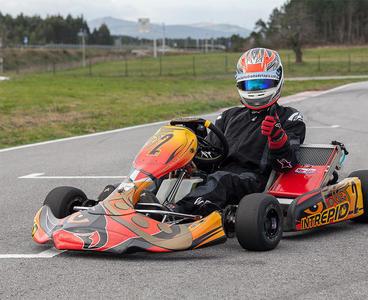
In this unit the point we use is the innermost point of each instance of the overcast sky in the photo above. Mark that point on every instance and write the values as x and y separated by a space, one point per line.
239 12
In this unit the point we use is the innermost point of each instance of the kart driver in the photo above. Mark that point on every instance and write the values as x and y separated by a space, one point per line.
262 136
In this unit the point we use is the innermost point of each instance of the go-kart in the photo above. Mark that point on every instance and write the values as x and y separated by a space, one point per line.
169 166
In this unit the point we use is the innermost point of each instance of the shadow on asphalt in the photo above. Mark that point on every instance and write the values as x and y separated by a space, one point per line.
321 232
143 256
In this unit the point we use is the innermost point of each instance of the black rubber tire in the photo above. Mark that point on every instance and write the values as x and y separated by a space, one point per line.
363 176
250 222
62 199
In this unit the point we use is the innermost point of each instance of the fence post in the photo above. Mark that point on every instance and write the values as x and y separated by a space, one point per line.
226 63
17 67
349 63
319 63
126 66
160 61
89 67
53 68
141 65
194 66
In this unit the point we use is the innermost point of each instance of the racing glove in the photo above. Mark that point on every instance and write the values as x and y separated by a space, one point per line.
271 127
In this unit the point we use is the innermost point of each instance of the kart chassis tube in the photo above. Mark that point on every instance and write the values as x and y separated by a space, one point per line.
153 211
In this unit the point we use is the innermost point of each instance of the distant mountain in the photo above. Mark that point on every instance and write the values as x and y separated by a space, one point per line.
195 31
231 29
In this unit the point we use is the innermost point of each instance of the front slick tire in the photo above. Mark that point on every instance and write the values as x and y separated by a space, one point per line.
62 200
258 222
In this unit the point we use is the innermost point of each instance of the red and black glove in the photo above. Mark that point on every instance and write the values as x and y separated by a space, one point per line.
271 127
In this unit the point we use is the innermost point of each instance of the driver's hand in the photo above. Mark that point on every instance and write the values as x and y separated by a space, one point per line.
271 127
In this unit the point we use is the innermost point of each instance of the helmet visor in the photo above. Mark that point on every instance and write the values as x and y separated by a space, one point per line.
257 84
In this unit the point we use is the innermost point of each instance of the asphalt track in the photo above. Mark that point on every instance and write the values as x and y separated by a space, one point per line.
327 263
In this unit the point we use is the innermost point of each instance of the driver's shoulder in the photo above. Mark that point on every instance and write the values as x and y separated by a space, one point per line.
233 111
289 113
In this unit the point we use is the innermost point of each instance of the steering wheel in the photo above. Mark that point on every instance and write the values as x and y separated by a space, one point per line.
207 152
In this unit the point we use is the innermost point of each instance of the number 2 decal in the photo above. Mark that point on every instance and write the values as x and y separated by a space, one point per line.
354 191
164 139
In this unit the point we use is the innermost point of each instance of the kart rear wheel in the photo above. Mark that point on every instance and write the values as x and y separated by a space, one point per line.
363 176
259 222
62 200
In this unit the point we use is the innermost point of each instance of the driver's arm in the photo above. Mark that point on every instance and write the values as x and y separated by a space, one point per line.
283 141
220 124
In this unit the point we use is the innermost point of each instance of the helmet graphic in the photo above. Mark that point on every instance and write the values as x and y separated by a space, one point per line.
259 78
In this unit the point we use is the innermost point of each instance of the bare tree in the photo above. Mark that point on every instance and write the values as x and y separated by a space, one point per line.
296 27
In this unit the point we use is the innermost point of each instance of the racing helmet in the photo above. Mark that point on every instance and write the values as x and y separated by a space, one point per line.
259 78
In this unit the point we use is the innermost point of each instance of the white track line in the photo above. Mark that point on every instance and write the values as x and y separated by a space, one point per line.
49 253
324 127
289 99
83 136
41 176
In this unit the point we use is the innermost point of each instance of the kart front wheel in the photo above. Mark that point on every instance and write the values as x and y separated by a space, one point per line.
62 200
259 222
363 176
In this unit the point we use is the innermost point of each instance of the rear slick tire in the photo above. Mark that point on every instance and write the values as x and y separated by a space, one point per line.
62 200
259 222
363 176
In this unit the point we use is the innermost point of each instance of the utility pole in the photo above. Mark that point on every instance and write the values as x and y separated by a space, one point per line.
84 49
82 34
155 48
163 38
1 56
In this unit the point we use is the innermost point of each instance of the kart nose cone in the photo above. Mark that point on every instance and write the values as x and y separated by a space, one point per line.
38 234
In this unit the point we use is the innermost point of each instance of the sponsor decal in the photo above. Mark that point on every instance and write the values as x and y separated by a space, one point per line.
285 164
297 116
257 75
330 215
336 194
305 171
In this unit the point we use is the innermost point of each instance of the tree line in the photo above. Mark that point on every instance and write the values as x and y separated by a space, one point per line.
67 30
35 30
294 25
300 23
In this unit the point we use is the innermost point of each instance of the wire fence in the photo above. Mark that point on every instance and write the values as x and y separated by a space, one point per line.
207 65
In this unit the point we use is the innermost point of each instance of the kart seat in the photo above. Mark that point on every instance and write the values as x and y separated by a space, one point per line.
315 169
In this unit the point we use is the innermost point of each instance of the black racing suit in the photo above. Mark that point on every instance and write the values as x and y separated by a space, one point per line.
249 163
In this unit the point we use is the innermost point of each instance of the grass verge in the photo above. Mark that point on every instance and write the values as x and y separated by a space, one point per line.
43 107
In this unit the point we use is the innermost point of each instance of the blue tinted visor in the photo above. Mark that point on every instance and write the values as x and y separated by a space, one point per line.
257 84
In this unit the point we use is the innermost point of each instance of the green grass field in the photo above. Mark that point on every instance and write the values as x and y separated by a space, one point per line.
41 107
46 106
317 62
